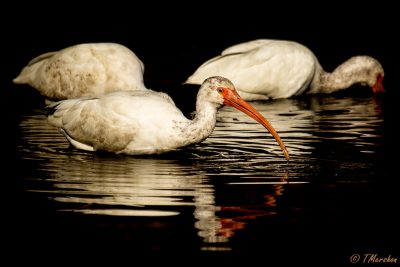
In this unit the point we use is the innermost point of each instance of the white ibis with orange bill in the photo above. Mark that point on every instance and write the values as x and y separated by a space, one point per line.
263 69
147 122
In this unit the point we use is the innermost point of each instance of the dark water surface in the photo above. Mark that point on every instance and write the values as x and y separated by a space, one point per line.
234 193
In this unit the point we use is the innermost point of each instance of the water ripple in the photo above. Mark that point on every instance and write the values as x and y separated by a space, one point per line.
239 155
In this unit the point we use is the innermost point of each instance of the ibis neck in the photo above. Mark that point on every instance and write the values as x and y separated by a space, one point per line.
332 82
353 71
202 125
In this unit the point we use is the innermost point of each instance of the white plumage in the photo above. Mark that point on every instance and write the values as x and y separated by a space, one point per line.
146 122
84 70
263 69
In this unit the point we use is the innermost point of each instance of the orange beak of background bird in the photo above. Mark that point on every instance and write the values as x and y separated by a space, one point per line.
232 98
378 86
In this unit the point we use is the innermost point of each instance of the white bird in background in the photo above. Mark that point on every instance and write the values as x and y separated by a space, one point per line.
147 122
84 70
263 69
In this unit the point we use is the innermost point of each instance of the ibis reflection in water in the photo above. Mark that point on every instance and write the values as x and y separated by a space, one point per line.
209 182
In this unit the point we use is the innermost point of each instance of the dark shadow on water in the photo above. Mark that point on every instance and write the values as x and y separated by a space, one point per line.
231 197
234 194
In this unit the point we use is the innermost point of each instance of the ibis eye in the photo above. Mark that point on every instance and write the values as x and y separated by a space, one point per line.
220 90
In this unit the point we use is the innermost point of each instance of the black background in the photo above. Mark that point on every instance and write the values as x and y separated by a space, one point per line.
172 39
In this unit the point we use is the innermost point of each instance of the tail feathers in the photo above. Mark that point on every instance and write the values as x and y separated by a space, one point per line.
56 110
63 105
24 76
28 71
51 108
60 110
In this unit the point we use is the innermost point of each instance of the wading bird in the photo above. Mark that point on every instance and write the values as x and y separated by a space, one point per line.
147 122
263 69
84 70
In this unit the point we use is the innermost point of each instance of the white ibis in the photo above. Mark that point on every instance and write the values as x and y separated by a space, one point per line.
263 69
147 122
84 70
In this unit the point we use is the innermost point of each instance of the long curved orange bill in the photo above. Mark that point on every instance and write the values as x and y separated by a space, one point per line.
232 98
